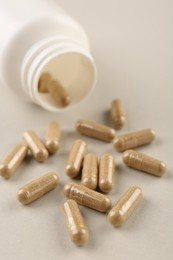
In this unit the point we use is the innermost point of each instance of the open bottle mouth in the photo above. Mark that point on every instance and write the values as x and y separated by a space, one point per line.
76 74
68 64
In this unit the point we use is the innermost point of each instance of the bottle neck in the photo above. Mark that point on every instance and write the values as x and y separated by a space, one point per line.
67 61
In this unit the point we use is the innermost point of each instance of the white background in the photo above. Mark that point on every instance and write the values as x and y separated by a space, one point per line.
132 45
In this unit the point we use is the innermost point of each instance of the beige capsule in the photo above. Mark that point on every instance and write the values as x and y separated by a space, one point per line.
36 147
90 171
76 226
135 139
143 162
106 172
13 161
87 197
125 206
59 93
118 115
43 84
37 188
95 130
76 157
53 137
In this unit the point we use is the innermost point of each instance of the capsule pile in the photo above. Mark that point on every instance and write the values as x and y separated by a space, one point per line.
96 175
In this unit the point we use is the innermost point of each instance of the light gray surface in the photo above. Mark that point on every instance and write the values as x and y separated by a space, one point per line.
132 44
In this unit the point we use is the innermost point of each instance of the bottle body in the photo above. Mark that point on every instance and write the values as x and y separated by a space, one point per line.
40 37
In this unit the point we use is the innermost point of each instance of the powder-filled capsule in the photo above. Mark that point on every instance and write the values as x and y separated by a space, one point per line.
143 162
59 93
13 160
37 188
90 171
135 139
53 137
95 130
125 206
87 197
36 147
43 84
106 172
76 225
118 115
76 157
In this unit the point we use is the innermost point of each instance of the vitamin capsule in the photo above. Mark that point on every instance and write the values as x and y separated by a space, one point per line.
76 157
145 163
43 84
53 137
36 147
95 130
90 171
106 173
87 197
59 93
135 139
37 188
13 160
125 206
76 226
118 114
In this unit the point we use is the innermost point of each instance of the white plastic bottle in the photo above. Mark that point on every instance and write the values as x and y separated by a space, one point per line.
38 36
